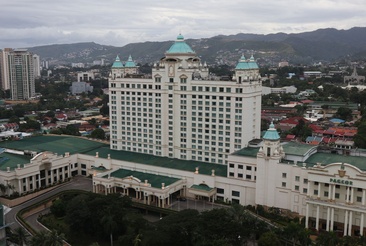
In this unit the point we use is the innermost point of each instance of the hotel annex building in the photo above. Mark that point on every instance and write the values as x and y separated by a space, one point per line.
180 134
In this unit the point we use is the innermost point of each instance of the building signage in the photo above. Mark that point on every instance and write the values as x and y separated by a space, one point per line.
341 181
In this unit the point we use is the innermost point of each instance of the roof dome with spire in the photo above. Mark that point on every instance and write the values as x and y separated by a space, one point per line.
271 133
180 46
117 63
245 64
130 62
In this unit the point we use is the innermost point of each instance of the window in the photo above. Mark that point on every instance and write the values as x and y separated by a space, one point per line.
284 175
235 193
337 195
359 199
240 175
220 191
305 181
249 168
240 166
315 192
297 187
248 176
305 190
297 178
284 184
326 193
231 174
231 165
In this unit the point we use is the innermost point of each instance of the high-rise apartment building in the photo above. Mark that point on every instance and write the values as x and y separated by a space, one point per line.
182 112
17 73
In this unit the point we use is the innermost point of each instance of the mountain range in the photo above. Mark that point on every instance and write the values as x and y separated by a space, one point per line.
321 45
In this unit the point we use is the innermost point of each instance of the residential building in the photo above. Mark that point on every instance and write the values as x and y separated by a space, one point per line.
180 112
17 73
80 87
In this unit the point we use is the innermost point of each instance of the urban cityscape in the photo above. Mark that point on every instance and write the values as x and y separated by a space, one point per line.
233 139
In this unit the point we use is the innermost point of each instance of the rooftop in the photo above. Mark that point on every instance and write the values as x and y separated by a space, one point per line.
247 64
295 148
327 158
153 179
62 144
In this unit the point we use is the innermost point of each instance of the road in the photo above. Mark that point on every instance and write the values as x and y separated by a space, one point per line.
77 183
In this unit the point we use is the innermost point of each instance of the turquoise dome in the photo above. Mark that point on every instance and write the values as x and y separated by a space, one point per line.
117 63
245 64
130 62
180 46
271 133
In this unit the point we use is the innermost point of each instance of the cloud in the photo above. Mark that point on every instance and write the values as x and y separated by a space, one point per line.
27 23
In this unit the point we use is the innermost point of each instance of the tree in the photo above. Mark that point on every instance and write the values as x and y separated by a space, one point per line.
360 137
55 239
98 133
344 113
109 224
328 238
21 236
269 239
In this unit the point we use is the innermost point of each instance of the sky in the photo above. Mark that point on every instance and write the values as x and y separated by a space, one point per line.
29 23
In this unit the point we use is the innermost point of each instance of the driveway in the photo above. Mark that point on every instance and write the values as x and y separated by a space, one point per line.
77 183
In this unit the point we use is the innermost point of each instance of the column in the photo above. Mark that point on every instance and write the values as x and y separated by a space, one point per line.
307 216
334 191
52 178
58 174
319 190
20 186
352 195
363 197
317 218
27 183
345 223
332 220
350 224
347 196
105 190
328 218
93 188
34 182
144 199
330 192
361 224
308 193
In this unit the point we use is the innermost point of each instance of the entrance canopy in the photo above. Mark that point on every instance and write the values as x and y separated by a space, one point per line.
202 190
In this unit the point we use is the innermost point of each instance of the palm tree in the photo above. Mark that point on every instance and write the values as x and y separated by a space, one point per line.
55 239
39 239
109 224
21 236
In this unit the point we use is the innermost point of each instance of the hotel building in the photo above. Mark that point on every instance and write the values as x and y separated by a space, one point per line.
154 156
181 112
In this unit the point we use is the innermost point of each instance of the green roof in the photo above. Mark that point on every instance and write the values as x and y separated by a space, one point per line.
245 64
117 63
130 62
180 46
328 158
295 148
12 161
62 144
248 151
55 144
186 165
202 187
153 179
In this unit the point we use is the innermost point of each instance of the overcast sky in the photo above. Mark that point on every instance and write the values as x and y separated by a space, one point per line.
27 23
